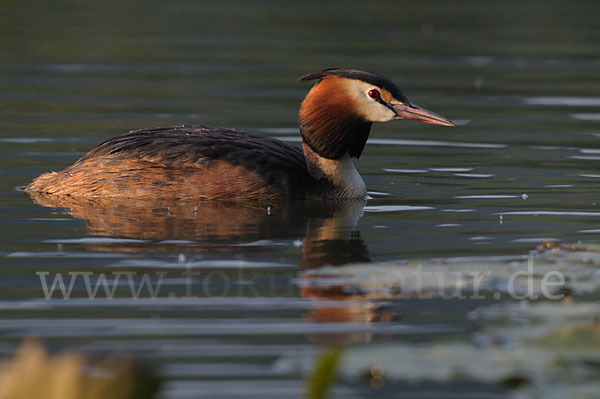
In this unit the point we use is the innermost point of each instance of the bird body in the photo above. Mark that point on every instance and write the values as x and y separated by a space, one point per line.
207 163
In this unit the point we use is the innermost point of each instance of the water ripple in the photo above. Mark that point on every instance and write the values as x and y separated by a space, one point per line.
564 101
395 208
549 213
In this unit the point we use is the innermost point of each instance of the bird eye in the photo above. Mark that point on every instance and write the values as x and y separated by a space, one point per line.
374 94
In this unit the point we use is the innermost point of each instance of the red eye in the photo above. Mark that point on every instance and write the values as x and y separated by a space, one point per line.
374 93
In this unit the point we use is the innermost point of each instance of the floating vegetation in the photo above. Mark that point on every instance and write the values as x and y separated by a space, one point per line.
553 271
536 336
580 339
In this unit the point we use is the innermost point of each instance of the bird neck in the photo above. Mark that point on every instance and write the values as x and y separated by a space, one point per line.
341 173
333 132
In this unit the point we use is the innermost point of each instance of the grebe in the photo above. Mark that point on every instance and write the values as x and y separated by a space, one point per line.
196 162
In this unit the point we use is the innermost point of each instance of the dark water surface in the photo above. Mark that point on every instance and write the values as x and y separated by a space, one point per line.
243 296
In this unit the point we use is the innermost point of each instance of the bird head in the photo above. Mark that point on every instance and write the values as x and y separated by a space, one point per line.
336 115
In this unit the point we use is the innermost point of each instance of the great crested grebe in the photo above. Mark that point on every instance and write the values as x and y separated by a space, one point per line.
196 162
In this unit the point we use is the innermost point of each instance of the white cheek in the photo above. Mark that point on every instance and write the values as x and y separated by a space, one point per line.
376 112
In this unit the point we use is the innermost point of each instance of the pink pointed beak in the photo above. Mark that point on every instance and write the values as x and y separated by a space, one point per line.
414 112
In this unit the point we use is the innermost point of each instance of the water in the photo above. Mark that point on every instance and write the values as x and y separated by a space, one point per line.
240 301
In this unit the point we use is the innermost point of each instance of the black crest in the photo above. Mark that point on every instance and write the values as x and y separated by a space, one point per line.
372 78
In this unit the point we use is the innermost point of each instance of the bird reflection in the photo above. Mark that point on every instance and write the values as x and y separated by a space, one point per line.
327 230
210 223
